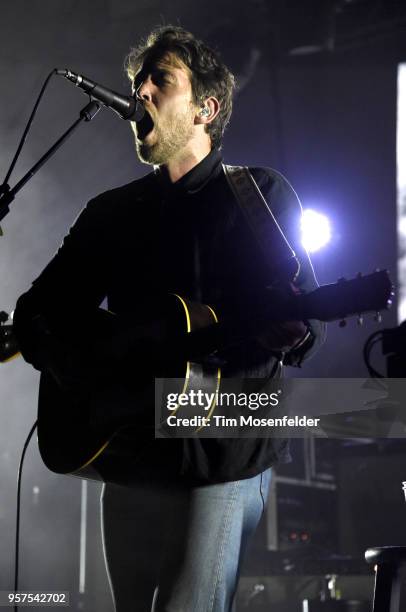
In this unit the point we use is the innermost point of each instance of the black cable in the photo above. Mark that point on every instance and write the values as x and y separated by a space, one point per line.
27 128
17 546
371 370
368 346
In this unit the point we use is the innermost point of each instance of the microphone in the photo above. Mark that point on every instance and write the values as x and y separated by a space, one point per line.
126 107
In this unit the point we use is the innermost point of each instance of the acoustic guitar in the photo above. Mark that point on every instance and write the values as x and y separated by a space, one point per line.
81 430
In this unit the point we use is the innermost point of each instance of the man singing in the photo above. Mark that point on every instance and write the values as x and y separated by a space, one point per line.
174 537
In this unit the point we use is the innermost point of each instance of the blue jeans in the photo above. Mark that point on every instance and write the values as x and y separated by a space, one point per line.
186 546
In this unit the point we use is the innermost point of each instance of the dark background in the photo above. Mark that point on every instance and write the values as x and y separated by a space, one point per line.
317 102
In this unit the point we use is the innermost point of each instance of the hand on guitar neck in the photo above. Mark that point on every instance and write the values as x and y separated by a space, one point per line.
285 335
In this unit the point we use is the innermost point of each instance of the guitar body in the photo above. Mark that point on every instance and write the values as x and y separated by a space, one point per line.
94 432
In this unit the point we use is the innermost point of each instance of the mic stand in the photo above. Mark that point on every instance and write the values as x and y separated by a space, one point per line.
7 195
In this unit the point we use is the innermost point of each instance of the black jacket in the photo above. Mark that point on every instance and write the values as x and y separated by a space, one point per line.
137 242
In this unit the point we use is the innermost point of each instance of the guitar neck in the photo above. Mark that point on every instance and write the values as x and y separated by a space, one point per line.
333 302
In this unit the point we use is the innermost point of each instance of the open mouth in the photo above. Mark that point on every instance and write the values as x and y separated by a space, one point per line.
145 126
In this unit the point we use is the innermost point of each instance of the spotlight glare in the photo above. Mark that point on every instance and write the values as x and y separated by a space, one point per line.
402 225
316 231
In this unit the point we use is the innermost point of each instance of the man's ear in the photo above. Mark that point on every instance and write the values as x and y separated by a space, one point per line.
208 111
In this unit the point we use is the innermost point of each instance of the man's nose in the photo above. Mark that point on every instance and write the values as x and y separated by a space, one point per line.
143 91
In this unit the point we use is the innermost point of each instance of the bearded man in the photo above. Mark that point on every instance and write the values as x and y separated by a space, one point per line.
176 525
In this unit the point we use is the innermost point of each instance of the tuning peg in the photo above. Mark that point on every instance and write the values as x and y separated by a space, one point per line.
342 323
378 317
360 319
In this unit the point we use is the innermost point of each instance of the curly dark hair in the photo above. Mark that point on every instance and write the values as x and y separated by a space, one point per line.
209 75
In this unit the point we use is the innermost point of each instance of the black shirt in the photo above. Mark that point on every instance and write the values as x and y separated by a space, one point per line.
137 242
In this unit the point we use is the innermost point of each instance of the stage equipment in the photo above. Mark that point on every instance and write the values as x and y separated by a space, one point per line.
302 507
126 107
336 605
330 600
394 348
388 560
7 195
371 503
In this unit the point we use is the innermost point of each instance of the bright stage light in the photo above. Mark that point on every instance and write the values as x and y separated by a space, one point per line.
402 226
401 188
316 231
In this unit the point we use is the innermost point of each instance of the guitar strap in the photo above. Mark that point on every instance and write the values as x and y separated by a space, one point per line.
272 241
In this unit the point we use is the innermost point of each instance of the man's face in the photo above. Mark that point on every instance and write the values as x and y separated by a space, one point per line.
166 131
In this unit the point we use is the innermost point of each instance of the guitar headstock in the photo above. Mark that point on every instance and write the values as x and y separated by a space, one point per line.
346 298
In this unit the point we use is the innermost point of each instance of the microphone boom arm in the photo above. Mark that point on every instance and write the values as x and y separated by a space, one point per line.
7 195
